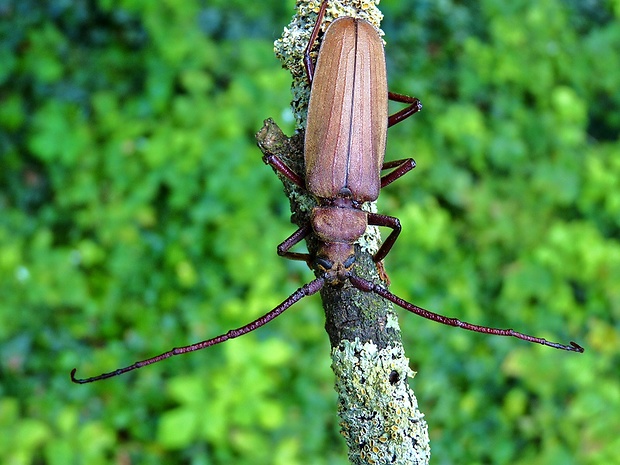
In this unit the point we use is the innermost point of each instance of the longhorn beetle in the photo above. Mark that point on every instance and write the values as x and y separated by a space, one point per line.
344 150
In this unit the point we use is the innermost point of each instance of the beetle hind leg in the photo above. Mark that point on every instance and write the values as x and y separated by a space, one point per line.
279 166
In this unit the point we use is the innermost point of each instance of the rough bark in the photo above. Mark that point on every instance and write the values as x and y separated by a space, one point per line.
378 410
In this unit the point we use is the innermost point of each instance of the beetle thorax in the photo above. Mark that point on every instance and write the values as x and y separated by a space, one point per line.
337 224
338 220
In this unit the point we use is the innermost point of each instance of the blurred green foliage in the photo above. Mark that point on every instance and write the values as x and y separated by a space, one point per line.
136 215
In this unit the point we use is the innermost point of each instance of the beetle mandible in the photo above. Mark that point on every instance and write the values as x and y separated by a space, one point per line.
344 151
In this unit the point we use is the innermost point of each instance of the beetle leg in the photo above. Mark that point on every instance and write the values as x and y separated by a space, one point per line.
279 166
308 65
414 107
402 167
291 241
376 219
383 276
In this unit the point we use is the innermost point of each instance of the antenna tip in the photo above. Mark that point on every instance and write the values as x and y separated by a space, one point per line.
73 378
576 347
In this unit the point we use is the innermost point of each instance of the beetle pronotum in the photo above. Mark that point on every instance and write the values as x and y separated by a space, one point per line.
344 151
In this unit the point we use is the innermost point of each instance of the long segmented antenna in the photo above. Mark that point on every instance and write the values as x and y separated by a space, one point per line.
311 288
367 286
342 208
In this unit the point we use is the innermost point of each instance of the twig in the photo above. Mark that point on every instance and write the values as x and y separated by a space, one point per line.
378 410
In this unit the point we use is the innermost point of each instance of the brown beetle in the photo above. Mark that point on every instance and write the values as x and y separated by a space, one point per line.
345 143
344 150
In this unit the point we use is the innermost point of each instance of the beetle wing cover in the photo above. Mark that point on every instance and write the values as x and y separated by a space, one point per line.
347 113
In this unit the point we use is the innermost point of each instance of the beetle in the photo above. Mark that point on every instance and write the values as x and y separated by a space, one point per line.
344 150
345 143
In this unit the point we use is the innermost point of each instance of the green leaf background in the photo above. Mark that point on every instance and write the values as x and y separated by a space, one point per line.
136 215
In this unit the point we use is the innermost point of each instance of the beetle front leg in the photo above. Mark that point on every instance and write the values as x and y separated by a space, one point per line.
291 241
376 219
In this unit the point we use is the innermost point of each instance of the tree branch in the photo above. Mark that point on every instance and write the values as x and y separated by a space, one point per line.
378 410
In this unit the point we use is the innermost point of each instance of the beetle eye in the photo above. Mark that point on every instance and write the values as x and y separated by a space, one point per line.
349 262
324 263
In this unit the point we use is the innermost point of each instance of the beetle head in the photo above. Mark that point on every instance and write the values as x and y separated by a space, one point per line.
334 261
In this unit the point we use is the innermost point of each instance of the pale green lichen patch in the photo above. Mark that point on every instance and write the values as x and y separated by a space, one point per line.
392 321
371 239
376 403
304 202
